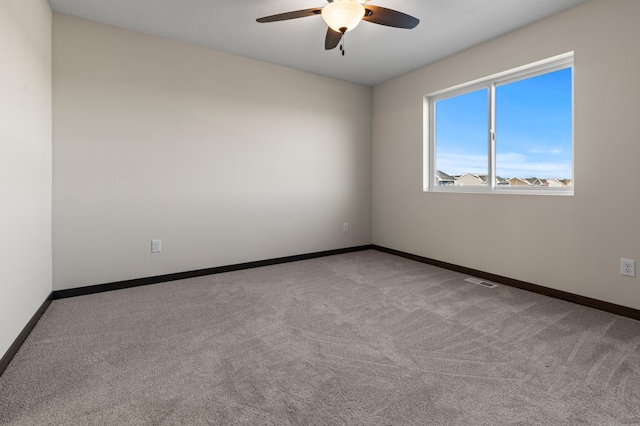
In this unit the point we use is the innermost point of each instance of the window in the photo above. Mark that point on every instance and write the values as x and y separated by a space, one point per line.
511 132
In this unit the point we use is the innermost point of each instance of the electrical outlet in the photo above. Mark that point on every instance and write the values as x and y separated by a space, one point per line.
345 227
628 267
156 246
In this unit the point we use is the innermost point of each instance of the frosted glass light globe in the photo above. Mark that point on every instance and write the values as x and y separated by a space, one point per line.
341 14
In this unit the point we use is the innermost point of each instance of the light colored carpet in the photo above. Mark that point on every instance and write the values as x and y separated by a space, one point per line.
364 338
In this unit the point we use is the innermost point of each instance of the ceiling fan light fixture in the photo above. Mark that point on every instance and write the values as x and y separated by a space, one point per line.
343 14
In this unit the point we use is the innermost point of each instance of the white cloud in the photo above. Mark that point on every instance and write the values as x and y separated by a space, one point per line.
552 151
457 164
507 165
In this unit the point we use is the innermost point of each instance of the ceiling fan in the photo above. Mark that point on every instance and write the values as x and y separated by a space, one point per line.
344 15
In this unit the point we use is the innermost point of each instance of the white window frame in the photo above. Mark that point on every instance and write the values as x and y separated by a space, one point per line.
490 83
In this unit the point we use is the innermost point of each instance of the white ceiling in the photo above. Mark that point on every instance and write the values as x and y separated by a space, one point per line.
374 53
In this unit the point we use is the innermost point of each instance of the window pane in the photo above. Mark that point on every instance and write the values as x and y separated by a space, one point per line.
533 131
461 128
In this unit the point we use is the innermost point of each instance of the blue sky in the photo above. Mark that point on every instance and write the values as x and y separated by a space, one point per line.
533 129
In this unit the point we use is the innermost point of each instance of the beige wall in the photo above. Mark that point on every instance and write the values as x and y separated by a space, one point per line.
25 163
568 243
225 159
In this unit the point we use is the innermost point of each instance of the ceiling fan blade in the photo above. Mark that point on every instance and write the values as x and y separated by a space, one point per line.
389 17
332 39
291 15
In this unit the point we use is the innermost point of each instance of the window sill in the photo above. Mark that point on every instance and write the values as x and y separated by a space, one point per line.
522 191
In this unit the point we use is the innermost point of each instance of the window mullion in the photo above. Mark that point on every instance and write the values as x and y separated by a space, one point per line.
492 136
